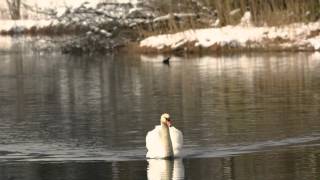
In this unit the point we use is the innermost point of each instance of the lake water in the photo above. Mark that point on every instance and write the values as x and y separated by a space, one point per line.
243 116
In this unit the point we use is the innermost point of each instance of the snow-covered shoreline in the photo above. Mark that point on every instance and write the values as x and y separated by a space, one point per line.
296 36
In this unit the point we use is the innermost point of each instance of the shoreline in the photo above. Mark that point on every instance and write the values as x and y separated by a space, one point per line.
297 37
134 47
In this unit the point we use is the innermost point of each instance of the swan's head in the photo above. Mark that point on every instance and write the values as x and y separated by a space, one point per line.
165 119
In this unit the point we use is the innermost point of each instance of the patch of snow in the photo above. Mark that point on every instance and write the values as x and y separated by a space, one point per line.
162 18
246 19
178 15
234 12
60 11
91 5
88 33
294 35
7 25
134 2
206 37
104 32
315 42
216 23
307 13
134 9
84 23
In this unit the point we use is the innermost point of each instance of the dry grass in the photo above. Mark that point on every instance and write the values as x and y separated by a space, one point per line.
48 31
270 12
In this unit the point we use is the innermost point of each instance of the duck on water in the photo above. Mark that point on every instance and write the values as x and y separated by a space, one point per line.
166 61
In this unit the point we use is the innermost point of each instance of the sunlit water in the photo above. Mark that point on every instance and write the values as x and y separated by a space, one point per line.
248 116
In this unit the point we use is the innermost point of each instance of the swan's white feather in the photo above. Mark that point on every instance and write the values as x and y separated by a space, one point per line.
154 146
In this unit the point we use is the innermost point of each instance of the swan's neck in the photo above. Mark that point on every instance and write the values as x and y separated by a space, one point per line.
166 141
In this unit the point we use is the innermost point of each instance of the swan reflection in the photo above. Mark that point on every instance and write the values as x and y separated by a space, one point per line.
164 169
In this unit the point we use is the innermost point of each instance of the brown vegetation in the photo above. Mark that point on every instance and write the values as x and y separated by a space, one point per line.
47 31
270 12
14 8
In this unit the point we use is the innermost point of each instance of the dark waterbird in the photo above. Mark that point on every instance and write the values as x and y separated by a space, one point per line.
166 60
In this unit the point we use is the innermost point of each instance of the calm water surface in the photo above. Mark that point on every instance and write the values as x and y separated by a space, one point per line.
251 116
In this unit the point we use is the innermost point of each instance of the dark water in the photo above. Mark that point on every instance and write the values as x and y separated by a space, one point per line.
252 116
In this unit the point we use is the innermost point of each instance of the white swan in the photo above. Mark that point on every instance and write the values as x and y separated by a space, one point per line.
164 141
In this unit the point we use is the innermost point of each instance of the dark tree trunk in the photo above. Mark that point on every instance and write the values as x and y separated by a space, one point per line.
14 8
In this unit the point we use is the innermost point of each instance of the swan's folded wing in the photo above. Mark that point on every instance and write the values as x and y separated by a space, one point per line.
176 139
152 143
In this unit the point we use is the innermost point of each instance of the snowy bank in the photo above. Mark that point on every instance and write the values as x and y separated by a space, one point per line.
87 27
297 36
80 18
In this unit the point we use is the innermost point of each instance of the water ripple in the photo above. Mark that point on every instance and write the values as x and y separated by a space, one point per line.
59 152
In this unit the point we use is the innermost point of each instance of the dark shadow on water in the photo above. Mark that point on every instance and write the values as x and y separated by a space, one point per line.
73 170
284 164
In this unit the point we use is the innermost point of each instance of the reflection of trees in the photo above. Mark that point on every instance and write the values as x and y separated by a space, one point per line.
227 99
19 85
74 170
245 99
213 100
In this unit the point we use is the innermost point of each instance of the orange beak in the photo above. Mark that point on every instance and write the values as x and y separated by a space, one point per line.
169 123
